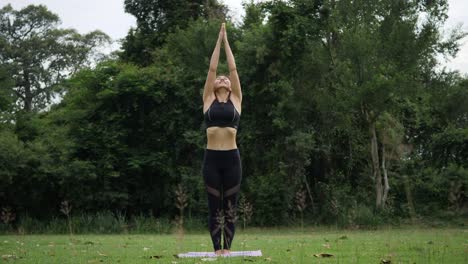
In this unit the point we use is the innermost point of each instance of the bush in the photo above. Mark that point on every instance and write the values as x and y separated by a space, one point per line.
104 222
142 224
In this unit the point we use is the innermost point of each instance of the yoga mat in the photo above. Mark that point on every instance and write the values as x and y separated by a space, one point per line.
255 253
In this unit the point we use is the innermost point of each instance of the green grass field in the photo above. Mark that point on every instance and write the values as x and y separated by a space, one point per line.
405 245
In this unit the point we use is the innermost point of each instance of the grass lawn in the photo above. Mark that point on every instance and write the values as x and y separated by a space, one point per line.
404 245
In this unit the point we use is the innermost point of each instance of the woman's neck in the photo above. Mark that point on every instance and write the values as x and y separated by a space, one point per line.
222 95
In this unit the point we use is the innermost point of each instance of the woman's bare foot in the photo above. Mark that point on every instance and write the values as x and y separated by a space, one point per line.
226 251
219 252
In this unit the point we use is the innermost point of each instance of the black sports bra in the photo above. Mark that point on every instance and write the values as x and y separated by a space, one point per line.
222 114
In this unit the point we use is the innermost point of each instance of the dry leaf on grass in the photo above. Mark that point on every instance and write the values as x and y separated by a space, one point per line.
155 257
386 261
5 257
323 255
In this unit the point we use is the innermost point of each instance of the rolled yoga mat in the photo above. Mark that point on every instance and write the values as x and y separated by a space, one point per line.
255 253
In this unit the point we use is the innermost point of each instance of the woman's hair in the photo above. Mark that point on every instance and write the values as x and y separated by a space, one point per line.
224 74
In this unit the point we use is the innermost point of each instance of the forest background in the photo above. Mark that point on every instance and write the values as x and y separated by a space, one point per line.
347 117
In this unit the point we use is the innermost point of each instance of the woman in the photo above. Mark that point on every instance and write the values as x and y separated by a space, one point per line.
222 171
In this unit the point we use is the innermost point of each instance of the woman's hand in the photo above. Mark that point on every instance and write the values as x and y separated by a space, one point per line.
222 32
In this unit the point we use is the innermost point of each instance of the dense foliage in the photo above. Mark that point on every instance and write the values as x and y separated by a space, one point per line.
345 104
38 55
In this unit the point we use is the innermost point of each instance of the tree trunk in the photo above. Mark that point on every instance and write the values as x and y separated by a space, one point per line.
409 198
384 169
377 176
27 103
28 96
310 194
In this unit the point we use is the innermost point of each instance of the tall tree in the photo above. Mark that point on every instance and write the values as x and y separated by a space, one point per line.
157 18
382 53
39 55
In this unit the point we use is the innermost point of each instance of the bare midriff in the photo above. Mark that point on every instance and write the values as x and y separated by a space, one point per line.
221 138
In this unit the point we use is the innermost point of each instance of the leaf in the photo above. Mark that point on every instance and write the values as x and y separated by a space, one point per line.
156 257
386 261
5 257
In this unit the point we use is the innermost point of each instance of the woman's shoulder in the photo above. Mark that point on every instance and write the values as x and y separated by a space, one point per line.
236 103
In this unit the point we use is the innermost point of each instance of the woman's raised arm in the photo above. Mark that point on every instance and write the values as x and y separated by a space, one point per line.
210 78
233 76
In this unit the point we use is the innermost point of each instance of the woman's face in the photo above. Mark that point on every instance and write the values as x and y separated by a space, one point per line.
222 82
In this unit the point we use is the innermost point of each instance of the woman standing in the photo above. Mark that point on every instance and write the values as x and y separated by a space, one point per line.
222 170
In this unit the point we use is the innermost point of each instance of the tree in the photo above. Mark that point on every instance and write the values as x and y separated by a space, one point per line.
382 53
157 18
39 55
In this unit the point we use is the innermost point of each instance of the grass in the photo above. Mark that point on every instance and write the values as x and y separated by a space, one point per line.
402 245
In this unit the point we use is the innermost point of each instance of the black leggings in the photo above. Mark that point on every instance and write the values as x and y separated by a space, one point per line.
222 173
